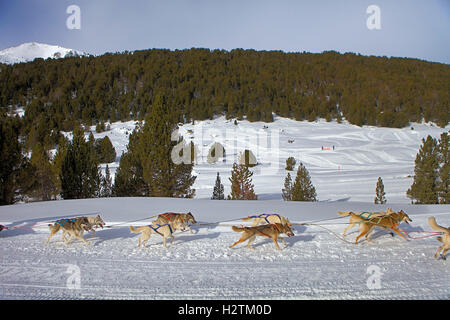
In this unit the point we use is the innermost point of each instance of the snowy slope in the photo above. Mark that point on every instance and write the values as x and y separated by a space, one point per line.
347 173
29 51
314 265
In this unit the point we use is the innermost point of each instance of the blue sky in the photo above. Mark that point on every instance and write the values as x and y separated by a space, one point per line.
409 28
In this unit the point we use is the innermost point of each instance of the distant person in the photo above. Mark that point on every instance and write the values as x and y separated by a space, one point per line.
333 147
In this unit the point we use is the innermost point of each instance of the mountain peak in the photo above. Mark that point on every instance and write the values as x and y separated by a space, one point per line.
29 51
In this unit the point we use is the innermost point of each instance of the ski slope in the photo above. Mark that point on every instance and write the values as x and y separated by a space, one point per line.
347 173
315 264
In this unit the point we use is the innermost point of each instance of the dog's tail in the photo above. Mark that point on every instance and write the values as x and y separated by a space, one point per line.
238 229
344 214
135 230
435 226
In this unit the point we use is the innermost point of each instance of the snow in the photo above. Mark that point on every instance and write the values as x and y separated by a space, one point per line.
315 264
347 173
27 52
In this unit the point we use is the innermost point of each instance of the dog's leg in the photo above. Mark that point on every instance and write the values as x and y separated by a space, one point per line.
436 255
144 238
399 233
274 239
346 229
242 239
67 241
250 240
367 238
364 232
49 237
283 240
82 239
444 253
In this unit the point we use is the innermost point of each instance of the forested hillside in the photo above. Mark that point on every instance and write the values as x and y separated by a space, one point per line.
201 83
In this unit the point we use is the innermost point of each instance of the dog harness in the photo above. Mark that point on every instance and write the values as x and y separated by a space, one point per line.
159 226
272 225
266 216
61 222
167 215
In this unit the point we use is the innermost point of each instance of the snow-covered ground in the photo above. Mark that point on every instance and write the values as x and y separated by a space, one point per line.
315 264
347 173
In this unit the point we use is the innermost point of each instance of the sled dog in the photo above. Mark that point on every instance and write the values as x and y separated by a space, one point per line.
94 222
73 227
353 221
268 230
268 218
387 222
445 239
171 217
164 230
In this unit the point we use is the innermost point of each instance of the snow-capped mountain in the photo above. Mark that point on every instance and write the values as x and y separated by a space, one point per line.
29 51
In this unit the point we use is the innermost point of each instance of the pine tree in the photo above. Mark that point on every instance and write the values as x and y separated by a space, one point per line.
287 191
303 189
424 189
290 163
105 150
149 164
41 176
241 183
11 160
129 179
106 184
218 190
57 162
380 194
444 170
80 174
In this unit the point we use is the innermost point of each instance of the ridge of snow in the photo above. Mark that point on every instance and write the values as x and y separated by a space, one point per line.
29 51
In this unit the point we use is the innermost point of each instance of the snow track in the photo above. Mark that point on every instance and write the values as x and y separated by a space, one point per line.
313 265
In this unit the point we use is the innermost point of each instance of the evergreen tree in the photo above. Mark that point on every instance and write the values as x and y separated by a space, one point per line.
303 189
218 190
11 160
380 194
424 189
41 177
241 183
290 163
129 179
80 174
106 184
149 159
105 150
57 162
287 190
444 170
